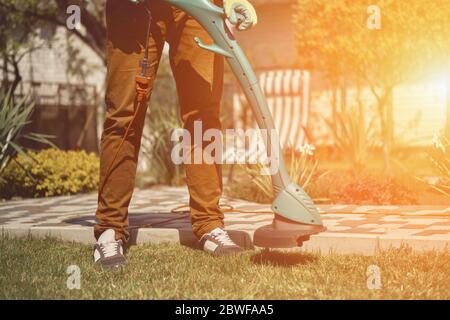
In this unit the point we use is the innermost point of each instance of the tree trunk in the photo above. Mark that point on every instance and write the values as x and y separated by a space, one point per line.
362 147
334 107
17 76
95 28
5 77
447 98
343 94
388 133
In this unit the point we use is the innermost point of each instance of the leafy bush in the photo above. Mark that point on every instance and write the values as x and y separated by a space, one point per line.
338 187
440 157
246 190
162 123
13 117
162 120
301 167
368 190
50 172
353 138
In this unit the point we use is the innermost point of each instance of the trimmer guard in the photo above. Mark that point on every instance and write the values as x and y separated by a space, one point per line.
296 216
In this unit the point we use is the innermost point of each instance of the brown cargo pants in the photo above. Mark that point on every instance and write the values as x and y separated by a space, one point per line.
198 74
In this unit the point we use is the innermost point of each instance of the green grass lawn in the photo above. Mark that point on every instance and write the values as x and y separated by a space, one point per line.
31 268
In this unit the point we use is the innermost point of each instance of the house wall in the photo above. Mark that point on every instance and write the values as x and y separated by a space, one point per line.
51 64
271 43
66 81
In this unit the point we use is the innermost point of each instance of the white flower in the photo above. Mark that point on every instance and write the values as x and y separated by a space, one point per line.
438 142
307 149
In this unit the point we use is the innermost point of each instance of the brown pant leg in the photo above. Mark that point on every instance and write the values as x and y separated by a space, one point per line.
199 78
127 27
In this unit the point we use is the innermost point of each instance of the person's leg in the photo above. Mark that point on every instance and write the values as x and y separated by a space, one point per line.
127 28
199 78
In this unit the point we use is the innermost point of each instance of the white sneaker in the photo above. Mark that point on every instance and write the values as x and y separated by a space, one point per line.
108 251
218 242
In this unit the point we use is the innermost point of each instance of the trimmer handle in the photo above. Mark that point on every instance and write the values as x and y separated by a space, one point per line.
291 201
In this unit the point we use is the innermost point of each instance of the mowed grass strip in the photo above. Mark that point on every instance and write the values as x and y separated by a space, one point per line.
36 269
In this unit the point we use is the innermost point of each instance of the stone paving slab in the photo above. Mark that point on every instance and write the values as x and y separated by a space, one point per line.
351 228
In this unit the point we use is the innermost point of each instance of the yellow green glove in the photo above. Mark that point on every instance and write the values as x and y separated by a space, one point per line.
240 13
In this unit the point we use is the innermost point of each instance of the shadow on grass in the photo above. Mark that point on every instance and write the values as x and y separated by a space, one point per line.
181 222
282 259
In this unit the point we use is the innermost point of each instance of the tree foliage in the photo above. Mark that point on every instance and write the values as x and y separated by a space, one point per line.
54 13
334 38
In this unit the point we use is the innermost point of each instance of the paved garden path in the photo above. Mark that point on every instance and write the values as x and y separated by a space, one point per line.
351 229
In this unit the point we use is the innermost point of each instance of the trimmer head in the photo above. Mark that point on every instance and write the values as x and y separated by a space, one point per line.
284 233
294 204
296 219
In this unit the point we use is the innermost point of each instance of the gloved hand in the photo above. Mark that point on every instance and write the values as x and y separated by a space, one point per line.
240 13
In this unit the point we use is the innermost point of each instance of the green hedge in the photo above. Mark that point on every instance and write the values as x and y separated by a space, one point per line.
50 172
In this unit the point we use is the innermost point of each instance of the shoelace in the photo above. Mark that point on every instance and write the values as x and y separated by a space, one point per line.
223 238
110 249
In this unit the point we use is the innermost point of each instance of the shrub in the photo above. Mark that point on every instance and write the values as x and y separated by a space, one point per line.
353 136
440 157
368 190
50 172
14 115
301 167
339 187
243 188
162 120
